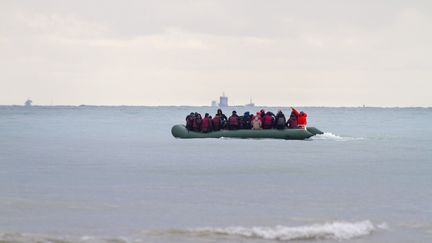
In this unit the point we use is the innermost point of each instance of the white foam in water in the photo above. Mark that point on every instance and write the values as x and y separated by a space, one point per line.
383 226
328 231
334 231
334 137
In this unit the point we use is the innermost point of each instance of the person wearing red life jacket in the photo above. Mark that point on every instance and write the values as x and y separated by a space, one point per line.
217 122
301 118
268 121
233 121
190 119
197 122
206 124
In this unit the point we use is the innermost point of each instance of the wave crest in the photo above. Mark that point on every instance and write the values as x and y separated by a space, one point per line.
334 230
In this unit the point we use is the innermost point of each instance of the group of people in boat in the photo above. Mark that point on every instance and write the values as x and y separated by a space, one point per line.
261 120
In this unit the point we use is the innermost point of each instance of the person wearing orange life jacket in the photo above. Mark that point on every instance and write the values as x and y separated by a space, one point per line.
206 124
301 118
233 121
268 121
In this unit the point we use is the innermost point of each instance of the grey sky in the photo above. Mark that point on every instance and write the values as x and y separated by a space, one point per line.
329 53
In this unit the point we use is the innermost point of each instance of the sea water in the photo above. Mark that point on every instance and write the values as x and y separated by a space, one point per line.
116 174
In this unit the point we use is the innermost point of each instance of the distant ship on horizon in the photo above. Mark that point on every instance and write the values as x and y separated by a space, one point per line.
28 103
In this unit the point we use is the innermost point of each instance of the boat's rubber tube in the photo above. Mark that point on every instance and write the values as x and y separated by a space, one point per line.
180 131
314 130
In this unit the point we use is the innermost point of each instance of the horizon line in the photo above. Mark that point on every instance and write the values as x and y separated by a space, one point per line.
234 106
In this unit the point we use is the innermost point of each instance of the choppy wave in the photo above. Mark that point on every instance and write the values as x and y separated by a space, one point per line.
338 230
328 231
334 137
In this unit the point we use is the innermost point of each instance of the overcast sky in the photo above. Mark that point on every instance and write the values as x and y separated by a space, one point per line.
303 53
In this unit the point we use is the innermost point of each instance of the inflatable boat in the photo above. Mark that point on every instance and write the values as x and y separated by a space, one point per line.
180 131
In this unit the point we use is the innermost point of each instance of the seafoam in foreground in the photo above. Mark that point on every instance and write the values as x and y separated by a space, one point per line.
335 230
338 230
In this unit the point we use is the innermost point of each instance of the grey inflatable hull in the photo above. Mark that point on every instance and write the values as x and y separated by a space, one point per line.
180 131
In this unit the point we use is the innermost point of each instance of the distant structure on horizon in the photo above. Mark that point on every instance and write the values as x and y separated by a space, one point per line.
223 100
251 104
28 103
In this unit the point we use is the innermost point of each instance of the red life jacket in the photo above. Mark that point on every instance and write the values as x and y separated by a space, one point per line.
302 119
216 122
197 123
190 121
233 121
205 124
268 121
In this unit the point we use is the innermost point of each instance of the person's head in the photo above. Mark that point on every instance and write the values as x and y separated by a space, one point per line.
279 112
246 114
256 117
262 111
219 111
301 113
234 112
192 114
210 117
206 115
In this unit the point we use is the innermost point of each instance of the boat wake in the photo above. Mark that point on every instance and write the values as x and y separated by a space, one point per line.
334 137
